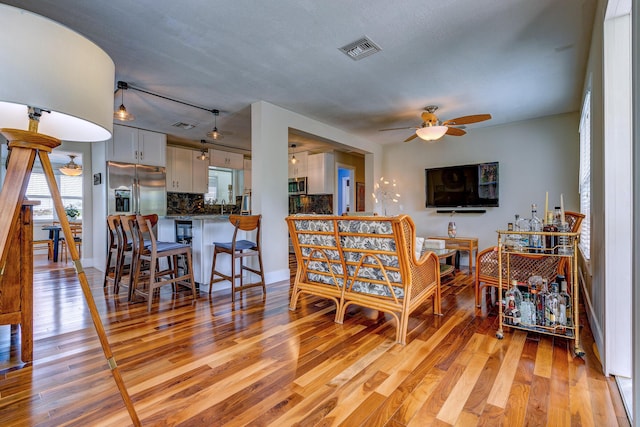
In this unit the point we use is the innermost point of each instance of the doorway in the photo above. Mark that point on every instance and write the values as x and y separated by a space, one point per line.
346 190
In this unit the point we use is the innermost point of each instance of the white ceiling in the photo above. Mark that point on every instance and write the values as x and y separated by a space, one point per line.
514 59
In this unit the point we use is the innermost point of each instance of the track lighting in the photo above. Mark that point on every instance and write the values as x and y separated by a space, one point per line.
204 152
293 156
121 113
215 133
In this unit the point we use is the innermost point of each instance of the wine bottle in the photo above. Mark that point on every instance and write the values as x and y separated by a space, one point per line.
550 241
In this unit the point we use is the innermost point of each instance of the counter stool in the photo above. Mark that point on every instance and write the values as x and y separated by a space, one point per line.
151 253
239 249
113 252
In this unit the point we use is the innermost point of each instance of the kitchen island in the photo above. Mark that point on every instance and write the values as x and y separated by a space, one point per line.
205 229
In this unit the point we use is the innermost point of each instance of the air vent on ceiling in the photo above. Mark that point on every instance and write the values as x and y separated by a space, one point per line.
183 125
360 49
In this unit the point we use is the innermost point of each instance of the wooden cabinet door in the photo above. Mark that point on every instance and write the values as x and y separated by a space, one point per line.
152 148
179 179
200 175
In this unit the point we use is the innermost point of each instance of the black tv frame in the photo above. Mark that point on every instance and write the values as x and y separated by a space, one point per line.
462 186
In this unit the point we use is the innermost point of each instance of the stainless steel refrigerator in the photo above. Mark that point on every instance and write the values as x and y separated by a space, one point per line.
136 189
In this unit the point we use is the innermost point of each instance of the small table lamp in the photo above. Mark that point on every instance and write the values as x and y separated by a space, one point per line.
54 84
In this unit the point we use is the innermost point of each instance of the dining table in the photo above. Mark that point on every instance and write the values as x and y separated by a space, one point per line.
54 234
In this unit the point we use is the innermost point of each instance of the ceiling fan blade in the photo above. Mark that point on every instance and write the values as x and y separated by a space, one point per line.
411 127
455 132
465 120
411 137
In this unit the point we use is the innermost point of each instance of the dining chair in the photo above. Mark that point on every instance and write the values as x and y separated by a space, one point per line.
151 251
239 249
76 231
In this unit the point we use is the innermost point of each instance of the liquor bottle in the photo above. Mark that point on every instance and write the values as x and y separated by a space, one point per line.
566 307
527 310
513 298
541 302
535 240
550 241
523 225
552 309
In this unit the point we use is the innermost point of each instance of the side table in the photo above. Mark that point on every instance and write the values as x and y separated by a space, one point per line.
465 244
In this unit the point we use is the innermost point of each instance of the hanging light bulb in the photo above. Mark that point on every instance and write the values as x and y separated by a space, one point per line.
121 113
204 152
71 168
215 133
293 157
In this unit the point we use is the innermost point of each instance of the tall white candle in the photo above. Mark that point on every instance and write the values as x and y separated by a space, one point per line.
546 206
562 209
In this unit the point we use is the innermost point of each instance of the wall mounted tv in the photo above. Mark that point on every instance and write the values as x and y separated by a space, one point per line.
462 186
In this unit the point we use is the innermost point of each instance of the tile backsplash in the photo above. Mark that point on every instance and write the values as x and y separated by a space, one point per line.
194 204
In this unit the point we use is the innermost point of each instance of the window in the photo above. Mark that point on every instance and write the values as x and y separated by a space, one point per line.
585 177
70 191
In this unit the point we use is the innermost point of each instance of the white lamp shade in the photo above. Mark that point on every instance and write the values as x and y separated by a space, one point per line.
48 66
431 133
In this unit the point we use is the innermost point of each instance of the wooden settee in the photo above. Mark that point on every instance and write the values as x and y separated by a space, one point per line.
367 261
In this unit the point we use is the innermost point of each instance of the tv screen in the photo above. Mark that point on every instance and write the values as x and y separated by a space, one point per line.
462 186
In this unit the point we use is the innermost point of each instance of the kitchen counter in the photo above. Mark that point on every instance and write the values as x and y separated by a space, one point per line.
205 230
216 218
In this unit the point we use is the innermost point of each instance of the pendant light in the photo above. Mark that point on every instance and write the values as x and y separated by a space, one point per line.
215 133
204 152
121 113
71 168
293 156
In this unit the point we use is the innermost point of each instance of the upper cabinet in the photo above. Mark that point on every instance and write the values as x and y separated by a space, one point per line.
225 159
247 175
321 173
133 145
179 165
299 168
200 173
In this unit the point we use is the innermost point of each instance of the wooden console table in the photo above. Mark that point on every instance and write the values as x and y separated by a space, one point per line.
466 244
16 284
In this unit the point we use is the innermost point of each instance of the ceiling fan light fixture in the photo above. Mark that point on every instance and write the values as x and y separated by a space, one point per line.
71 168
431 133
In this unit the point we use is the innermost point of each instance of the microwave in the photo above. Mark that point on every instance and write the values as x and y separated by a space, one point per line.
297 186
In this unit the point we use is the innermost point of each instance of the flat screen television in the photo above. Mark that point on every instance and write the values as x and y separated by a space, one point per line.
462 186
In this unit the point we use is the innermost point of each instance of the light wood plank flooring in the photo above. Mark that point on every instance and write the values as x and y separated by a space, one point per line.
211 363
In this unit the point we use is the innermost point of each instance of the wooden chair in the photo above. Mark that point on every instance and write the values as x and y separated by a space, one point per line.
76 230
46 244
239 249
148 249
521 265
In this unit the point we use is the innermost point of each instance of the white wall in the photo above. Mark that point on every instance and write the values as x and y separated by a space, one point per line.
535 156
269 148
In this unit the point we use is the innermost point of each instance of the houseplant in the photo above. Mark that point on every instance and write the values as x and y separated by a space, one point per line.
72 212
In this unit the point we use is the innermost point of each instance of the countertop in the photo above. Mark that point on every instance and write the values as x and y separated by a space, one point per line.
215 218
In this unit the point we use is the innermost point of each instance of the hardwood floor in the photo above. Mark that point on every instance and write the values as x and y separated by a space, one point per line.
212 363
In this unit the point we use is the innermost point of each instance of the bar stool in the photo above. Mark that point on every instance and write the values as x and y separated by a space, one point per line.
113 252
239 249
152 253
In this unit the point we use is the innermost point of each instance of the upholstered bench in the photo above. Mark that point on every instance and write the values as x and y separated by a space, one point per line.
367 261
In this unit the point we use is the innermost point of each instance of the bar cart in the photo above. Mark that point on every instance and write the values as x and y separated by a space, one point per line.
516 260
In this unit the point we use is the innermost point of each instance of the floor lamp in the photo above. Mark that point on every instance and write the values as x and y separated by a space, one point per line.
56 85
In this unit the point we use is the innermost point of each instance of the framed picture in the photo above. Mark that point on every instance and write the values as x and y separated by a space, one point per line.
359 196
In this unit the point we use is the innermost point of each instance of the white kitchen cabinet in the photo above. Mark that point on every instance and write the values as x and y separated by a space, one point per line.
299 168
321 173
247 175
225 159
179 165
200 174
133 145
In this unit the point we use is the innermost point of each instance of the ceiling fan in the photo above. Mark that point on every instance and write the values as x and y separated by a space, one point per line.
432 128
